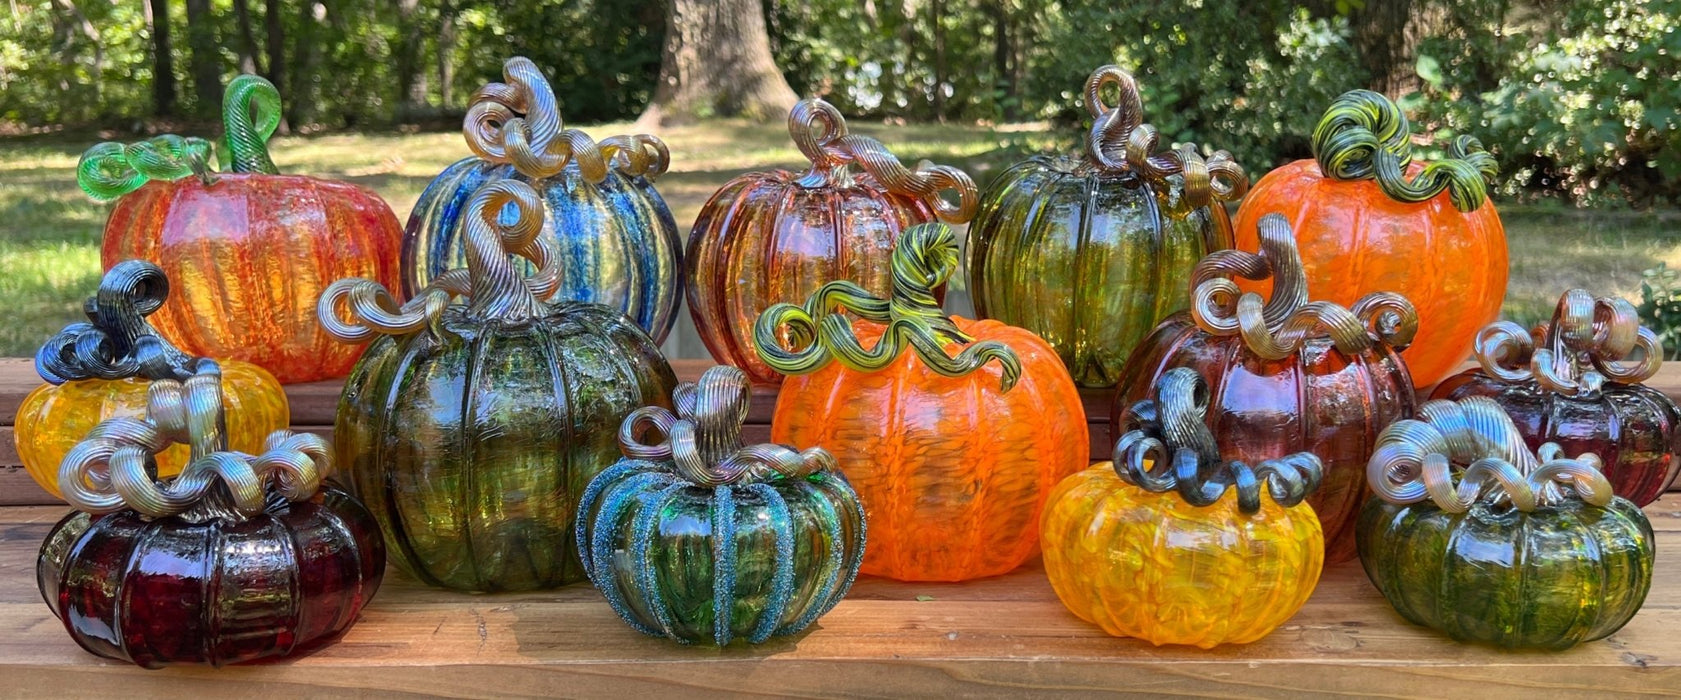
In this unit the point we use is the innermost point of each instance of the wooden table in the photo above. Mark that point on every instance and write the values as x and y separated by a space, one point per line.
1005 636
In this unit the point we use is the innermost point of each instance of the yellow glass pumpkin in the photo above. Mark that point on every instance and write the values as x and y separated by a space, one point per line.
1170 545
103 369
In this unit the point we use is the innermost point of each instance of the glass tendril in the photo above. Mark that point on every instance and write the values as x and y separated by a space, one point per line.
1169 447
1278 327
820 132
518 122
110 170
116 342
250 115
703 438
1364 136
925 256
1120 141
1585 345
1473 438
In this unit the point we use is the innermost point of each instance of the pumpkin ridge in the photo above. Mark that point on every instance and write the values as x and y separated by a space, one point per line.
647 516
983 468
143 534
467 484
782 580
560 390
1599 564
1081 353
1520 561
1028 241
295 615
723 563
393 378
346 533
210 587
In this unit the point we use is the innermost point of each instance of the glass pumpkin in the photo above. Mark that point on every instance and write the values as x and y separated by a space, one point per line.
474 427
240 558
249 250
100 369
1286 375
697 538
953 457
1363 226
777 236
1091 253
1173 545
1479 538
1567 383
614 234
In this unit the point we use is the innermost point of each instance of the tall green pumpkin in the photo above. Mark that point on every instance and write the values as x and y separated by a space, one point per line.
1091 253
472 429
1526 550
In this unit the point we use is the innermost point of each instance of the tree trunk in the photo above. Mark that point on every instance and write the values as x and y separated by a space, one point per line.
446 55
274 41
1003 52
163 64
409 98
305 48
247 39
204 57
1386 37
937 10
717 62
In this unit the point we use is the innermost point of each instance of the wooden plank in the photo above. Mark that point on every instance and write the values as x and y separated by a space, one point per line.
1004 636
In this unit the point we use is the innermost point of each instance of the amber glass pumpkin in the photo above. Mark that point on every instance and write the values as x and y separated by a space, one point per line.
1286 375
473 428
777 236
697 538
1091 253
1568 383
249 250
1173 545
608 224
240 558
100 369
955 445
1363 226
1475 536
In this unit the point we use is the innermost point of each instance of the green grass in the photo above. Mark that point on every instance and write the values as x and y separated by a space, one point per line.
49 231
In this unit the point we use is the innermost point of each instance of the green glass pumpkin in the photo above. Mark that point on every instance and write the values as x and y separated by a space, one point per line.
697 538
1526 550
1092 253
472 429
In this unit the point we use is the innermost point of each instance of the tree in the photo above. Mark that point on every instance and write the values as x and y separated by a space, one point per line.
247 39
717 62
163 64
274 40
205 56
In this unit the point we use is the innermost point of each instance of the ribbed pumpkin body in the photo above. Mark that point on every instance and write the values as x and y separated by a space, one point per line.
1318 400
473 446
715 564
248 256
1090 261
1148 565
156 592
52 419
1355 240
1632 429
764 239
617 238
953 473
1547 579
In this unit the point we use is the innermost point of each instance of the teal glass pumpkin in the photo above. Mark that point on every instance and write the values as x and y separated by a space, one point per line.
1526 550
472 429
699 539
615 236
1092 253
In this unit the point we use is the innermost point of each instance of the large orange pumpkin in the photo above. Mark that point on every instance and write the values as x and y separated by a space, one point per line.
1369 219
953 457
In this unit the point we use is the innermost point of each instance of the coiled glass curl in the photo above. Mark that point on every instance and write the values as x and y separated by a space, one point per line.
821 134
1587 344
116 342
1364 136
518 122
1120 141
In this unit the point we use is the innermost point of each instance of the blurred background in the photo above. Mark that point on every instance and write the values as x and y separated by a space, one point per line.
1576 98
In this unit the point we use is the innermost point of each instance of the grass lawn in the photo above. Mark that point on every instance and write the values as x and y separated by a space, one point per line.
49 231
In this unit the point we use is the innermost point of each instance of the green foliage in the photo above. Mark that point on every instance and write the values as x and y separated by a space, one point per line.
1660 307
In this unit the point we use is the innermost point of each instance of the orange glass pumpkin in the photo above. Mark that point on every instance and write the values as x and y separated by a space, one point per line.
953 457
1362 226
249 250
776 236
101 369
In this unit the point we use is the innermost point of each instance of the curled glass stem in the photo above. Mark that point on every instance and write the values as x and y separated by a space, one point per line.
110 170
116 342
1364 136
518 122
1120 141
924 257
820 132
703 438
1278 327
250 114
1169 447
1474 439
1587 343
109 470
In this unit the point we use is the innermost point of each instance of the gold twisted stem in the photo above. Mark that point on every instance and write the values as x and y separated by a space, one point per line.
492 284
1169 447
1587 343
1120 141
1475 439
924 257
820 133
1364 135
108 470
518 122
703 439
1278 327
